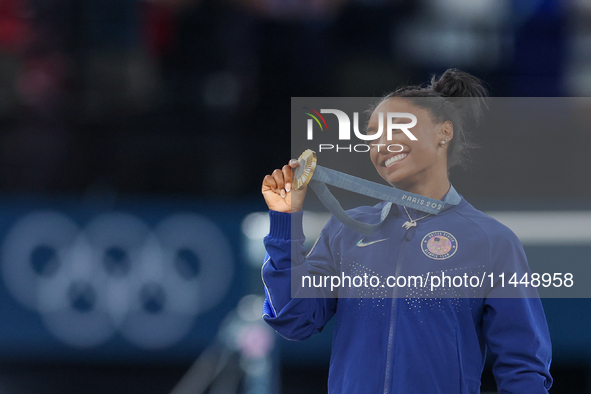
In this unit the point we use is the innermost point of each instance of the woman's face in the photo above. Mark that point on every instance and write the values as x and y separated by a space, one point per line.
411 162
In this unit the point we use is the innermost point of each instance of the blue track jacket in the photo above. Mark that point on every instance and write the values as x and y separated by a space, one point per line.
407 344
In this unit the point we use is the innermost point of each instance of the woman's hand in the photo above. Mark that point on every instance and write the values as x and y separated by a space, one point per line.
277 190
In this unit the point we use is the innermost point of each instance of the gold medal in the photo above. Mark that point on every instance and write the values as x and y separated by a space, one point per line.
304 171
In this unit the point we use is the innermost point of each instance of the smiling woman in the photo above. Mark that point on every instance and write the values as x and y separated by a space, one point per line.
421 165
393 335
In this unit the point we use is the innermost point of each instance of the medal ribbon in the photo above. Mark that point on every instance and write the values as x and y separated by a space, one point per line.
323 176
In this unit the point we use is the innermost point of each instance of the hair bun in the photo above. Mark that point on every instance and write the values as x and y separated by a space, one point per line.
463 90
456 83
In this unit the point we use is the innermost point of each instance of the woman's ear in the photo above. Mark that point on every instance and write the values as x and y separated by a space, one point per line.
447 131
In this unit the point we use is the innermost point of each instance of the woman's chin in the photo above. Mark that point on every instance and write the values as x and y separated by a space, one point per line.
394 179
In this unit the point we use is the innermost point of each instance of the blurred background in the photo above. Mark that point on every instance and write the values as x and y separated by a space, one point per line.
134 136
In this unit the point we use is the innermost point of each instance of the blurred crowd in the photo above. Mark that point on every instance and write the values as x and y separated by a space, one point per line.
192 96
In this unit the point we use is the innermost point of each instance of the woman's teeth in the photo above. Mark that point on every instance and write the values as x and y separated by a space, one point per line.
395 159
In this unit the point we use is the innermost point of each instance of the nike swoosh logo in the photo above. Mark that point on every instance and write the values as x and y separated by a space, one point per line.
361 244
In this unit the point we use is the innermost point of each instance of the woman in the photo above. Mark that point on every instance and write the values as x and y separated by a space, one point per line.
405 343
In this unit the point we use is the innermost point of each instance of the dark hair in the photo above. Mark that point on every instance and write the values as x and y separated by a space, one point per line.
455 96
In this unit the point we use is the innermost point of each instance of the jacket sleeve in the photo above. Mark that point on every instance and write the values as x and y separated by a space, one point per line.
515 328
294 318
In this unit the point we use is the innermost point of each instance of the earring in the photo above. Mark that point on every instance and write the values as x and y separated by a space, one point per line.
443 142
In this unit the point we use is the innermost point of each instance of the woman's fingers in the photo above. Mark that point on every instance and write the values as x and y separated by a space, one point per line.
277 190
269 183
287 176
280 182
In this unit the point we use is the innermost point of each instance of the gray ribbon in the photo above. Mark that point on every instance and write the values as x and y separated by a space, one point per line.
324 176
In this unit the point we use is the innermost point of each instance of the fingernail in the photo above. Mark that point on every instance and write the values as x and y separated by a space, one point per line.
282 193
293 162
288 187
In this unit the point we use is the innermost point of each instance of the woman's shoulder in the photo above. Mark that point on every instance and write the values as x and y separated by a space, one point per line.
487 224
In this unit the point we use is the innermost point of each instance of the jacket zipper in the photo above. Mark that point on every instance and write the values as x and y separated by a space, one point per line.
391 332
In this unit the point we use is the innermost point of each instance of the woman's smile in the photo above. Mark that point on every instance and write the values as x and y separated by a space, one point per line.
396 159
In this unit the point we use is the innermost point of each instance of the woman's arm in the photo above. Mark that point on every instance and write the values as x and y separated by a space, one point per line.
294 318
515 328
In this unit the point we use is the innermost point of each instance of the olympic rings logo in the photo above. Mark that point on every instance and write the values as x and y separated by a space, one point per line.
117 275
